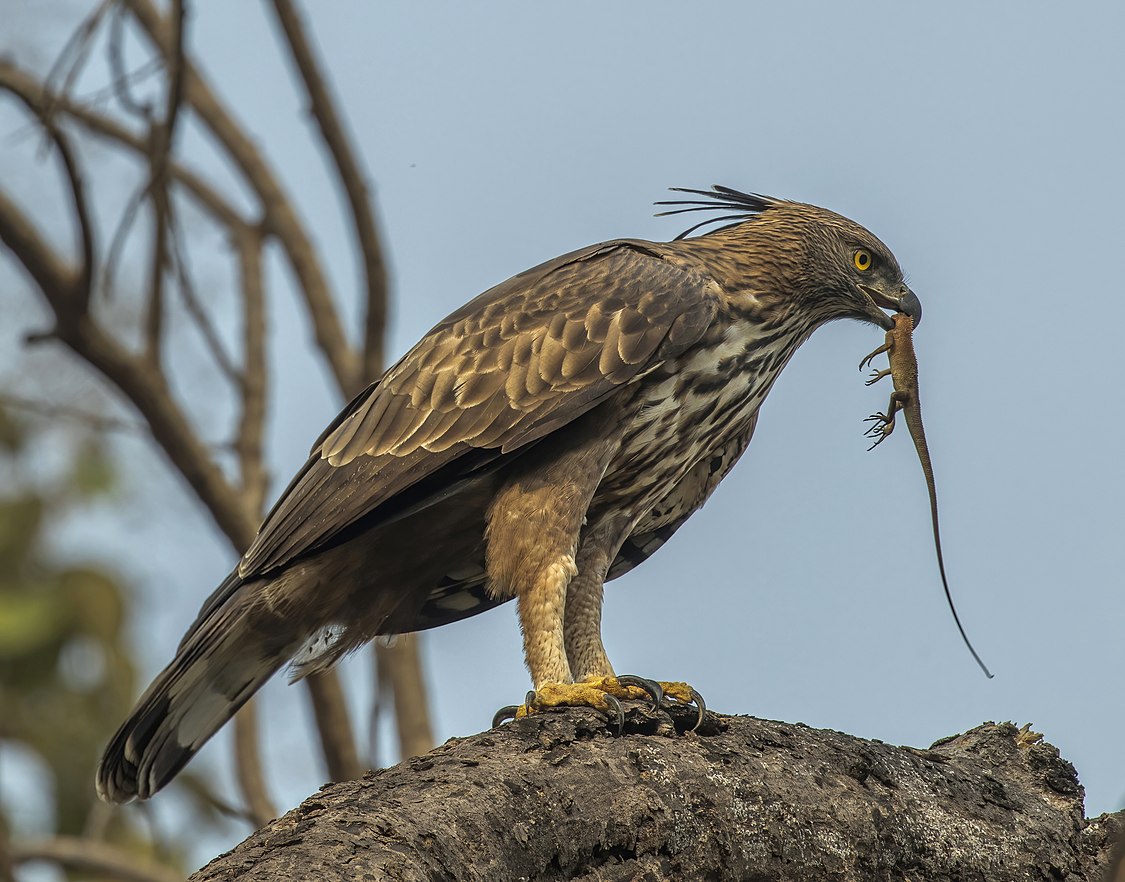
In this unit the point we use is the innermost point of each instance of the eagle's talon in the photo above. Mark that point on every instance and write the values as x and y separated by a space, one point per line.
702 706
616 712
650 687
682 693
508 712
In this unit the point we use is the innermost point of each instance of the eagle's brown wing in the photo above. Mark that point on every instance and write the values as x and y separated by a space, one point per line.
519 361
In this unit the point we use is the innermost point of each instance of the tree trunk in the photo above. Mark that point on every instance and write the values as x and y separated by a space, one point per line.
559 796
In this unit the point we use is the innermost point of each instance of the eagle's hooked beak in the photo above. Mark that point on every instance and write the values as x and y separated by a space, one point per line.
904 300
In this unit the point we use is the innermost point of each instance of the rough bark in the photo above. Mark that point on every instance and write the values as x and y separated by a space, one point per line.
558 796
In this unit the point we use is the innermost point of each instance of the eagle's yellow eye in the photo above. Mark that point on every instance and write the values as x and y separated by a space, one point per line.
862 260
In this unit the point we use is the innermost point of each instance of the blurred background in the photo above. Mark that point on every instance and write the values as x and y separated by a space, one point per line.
982 143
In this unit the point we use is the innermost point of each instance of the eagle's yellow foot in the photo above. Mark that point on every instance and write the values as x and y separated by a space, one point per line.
685 694
602 693
629 686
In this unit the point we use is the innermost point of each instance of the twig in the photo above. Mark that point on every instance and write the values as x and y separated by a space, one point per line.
121 78
279 216
53 411
194 306
154 308
195 784
353 182
251 424
161 136
81 292
248 766
117 242
77 48
98 819
138 74
91 856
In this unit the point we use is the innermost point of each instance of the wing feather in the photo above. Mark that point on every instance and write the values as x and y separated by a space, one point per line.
519 361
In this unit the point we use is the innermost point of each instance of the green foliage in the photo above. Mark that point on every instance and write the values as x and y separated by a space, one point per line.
66 677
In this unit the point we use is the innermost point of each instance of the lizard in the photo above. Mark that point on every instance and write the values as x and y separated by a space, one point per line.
903 371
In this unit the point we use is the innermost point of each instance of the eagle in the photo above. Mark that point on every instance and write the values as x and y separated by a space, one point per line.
545 438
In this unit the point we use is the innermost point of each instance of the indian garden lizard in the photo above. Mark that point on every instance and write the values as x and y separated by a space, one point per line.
903 371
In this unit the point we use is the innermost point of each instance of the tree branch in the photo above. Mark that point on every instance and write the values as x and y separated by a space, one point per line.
401 662
403 668
22 237
333 725
195 308
144 388
77 49
161 137
248 766
27 89
80 291
556 797
90 856
353 183
251 424
279 215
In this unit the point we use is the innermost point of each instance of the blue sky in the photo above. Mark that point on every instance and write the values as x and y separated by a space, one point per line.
981 142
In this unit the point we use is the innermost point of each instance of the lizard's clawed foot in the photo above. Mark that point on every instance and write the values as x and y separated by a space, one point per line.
876 376
604 694
881 426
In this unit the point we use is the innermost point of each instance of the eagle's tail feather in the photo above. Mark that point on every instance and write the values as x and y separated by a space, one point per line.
229 653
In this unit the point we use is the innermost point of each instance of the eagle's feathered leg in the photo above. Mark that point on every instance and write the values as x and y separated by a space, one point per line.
585 651
534 524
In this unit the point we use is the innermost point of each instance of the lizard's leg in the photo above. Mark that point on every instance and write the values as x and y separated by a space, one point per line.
867 359
876 376
882 424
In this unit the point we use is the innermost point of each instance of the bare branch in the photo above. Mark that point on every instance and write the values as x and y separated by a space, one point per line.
206 196
91 856
76 51
117 242
403 669
81 292
334 727
149 393
251 425
154 307
146 389
353 182
279 215
121 78
194 306
42 264
248 766
138 74
161 136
